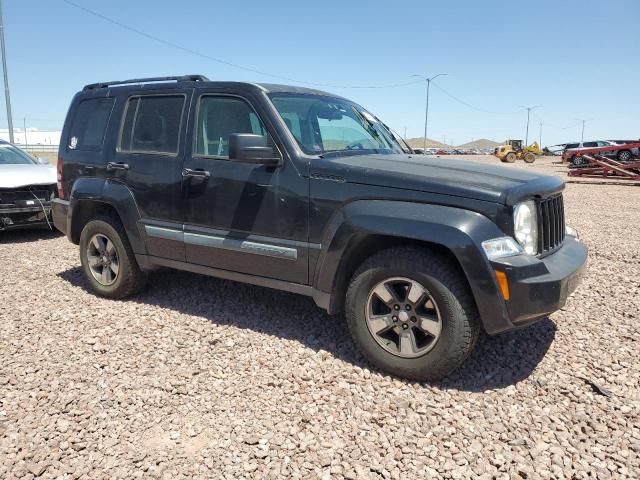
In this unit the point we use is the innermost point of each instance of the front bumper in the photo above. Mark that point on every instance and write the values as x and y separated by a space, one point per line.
25 217
541 286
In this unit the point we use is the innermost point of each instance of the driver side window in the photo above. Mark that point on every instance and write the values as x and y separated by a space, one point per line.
219 117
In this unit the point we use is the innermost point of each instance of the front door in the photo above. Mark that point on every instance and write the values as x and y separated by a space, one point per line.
242 217
148 159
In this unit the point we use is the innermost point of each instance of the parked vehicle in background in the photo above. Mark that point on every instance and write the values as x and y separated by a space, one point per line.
573 152
303 191
555 150
27 186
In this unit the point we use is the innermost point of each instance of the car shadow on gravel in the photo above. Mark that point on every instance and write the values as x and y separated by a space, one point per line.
28 235
496 362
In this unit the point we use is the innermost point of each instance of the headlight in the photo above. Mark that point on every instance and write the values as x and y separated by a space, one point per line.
501 247
525 226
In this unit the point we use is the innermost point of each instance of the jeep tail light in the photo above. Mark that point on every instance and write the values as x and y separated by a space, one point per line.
60 180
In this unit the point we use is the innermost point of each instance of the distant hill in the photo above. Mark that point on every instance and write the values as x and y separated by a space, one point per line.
419 143
480 144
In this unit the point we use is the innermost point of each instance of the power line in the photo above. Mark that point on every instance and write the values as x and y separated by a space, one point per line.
224 62
553 125
450 95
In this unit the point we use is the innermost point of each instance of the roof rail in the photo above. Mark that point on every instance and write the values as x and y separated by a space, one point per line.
182 78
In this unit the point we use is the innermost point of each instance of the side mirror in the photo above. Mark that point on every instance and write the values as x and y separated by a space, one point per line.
251 148
42 161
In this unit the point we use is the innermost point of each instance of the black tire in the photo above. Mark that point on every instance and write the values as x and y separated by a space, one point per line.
510 157
624 155
450 292
529 157
129 279
578 161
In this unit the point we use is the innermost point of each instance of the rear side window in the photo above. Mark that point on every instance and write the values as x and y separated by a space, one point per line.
152 124
572 145
90 123
590 144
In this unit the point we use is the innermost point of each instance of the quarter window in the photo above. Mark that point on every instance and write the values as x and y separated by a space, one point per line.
90 123
152 124
219 117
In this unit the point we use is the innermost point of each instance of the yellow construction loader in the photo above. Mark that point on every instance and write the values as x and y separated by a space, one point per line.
513 149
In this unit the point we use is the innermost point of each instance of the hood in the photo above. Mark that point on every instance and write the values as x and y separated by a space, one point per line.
15 176
463 178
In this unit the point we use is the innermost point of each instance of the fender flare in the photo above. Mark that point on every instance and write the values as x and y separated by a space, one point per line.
113 194
458 230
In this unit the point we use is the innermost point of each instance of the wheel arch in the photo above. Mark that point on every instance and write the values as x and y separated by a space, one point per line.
366 227
91 197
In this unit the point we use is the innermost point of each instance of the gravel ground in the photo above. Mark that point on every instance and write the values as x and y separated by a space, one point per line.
199 377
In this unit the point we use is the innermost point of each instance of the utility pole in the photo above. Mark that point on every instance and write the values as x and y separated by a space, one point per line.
24 126
583 120
405 133
540 140
526 138
426 111
6 77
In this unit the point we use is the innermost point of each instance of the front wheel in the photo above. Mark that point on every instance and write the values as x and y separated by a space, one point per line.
411 313
578 161
529 157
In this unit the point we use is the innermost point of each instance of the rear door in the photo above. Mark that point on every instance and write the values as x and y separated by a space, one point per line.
148 159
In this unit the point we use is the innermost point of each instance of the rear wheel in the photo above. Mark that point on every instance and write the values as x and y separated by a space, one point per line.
108 260
411 313
510 157
529 157
624 155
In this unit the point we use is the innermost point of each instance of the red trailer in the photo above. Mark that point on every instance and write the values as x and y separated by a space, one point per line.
601 166
626 152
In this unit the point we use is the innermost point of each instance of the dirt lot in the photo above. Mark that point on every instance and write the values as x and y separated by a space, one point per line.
199 377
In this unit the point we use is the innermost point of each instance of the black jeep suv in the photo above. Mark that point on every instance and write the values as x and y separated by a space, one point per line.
300 190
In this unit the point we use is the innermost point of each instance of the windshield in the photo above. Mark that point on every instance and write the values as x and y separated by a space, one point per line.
10 155
324 125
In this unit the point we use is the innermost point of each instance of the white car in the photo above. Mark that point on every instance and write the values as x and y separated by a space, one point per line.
571 152
27 186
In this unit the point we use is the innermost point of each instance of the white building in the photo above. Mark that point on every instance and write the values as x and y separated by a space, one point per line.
33 136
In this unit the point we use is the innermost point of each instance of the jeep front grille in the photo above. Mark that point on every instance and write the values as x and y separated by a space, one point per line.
550 224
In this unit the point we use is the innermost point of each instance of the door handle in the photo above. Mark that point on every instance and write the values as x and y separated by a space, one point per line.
117 166
188 172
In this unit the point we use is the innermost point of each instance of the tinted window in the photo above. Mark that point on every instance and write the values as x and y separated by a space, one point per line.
152 124
590 144
219 117
572 145
90 123
325 124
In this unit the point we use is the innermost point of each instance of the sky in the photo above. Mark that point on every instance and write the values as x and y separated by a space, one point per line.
577 59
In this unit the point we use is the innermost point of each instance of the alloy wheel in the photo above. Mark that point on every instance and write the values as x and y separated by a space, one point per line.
403 317
102 259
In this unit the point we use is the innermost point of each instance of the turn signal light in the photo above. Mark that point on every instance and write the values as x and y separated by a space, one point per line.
503 283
